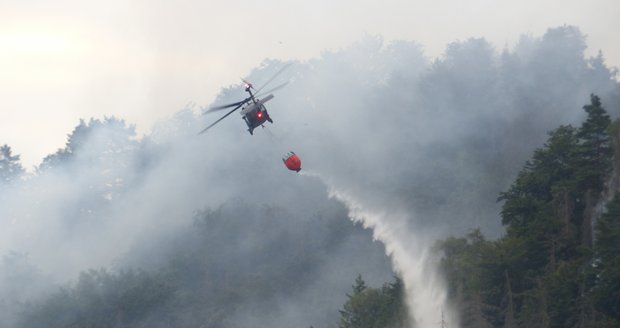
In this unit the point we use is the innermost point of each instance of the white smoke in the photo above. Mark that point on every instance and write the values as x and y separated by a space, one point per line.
407 145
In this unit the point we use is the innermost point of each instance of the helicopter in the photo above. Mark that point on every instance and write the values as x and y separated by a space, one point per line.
253 110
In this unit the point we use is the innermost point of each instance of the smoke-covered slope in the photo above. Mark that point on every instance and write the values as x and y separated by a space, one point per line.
237 266
434 141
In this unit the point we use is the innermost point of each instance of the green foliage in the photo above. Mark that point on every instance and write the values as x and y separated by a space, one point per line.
375 307
528 201
594 151
476 271
606 292
563 291
543 272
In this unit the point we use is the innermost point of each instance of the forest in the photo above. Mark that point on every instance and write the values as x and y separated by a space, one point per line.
501 164
558 263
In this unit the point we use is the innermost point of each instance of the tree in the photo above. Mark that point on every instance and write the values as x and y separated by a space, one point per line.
545 259
469 285
375 307
10 168
539 206
100 142
594 154
607 261
360 285
350 316
396 311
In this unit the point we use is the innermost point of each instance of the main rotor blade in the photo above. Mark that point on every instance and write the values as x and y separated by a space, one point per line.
273 89
218 121
273 77
216 108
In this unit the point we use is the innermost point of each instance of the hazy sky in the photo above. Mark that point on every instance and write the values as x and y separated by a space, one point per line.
144 60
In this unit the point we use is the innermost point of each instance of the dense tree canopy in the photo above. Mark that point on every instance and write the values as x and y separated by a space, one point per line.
545 272
375 307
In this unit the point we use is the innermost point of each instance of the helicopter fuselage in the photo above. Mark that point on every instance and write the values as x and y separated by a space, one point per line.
255 114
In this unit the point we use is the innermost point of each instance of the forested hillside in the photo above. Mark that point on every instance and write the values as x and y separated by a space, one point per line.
558 263
174 229
215 274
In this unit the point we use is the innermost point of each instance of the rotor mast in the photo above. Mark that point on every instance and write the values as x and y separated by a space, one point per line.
248 88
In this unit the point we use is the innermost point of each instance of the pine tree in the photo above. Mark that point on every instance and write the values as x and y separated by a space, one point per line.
544 261
10 168
360 285
354 312
538 207
607 261
374 307
594 162
595 153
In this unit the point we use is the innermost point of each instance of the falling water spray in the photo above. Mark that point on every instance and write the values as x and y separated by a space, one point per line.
410 254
